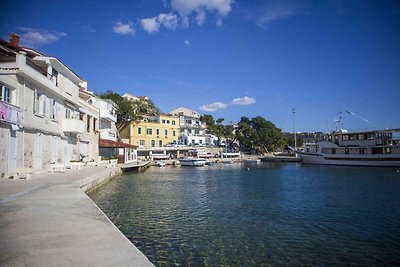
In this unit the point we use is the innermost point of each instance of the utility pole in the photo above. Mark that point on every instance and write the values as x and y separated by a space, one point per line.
294 129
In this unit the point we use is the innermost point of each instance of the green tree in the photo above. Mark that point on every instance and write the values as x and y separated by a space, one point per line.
258 135
130 110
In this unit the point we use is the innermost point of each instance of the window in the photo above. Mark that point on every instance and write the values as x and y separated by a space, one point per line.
362 151
173 122
153 143
142 142
370 136
160 143
346 150
173 133
388 150
139 131
361 137
352 137
167 121
88 123
163 121
166 132
196 131
345 137
5 93
94 124
149 131
54 76
201 141
39 103
157 131
53 110
68 113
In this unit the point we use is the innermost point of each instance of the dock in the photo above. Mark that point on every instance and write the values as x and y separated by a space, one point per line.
50 221
135 166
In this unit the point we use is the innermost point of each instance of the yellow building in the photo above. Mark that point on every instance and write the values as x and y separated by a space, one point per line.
152 131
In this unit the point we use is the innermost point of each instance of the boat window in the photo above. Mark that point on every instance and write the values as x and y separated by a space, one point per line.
352 137
333 150
370 136
330 137
388 150
346 150
345 137
377 150
361 137
362 151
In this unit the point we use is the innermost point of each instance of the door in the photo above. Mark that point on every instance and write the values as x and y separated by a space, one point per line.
38 152
67 153
12 153
54 144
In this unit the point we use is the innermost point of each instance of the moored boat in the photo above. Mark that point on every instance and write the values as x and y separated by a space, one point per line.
197 162
368 148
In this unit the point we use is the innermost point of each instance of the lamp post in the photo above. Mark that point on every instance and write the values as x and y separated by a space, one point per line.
294 130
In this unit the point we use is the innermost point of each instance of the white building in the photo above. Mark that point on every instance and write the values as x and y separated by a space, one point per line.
193 131
41 119
108 118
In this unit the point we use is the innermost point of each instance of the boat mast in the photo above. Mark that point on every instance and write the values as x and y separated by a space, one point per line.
294 130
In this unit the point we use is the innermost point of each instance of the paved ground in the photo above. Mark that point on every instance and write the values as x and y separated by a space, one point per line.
49 221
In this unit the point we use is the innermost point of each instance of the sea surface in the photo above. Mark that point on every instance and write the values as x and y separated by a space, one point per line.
259 215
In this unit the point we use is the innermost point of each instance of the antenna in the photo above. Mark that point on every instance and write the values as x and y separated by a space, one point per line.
338 122
358 116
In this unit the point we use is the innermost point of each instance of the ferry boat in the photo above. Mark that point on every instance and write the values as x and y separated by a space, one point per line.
367 148
197 162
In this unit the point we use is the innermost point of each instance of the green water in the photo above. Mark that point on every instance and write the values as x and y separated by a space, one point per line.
259 215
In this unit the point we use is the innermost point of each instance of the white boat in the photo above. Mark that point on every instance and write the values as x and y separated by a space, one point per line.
160 164
230 154
368 148
252 161
197 162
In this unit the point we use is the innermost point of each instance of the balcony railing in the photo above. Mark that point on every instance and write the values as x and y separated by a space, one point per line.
10 113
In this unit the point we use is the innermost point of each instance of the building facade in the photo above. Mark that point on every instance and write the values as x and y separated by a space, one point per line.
40 113
152 131
192 130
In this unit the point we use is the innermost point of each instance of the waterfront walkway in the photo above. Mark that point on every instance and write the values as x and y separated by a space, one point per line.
50 221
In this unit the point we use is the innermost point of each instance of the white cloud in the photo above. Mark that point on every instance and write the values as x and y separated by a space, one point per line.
168 21
37 37
264 15
123 29
201 17
185 8
186 42
213 106
150 25
244 101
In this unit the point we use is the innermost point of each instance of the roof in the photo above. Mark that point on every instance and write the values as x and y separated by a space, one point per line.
110 143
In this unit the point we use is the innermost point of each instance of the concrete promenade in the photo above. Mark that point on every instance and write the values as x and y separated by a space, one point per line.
50 221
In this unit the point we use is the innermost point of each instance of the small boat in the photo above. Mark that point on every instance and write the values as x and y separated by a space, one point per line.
197 162
252 161
160 164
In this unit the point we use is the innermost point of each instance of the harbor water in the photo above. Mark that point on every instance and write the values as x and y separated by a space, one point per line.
269 214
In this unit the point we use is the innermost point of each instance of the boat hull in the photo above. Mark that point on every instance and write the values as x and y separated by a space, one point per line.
192 162
348 160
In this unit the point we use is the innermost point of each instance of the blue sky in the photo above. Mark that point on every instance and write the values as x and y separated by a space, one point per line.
230 58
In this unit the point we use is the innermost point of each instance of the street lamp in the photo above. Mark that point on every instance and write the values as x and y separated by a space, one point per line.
294 130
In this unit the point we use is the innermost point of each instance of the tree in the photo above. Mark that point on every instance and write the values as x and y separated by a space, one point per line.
258 135
130 110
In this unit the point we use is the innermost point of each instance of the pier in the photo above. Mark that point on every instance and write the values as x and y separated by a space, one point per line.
50 221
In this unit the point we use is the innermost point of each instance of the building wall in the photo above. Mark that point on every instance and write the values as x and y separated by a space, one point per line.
39 133
147 135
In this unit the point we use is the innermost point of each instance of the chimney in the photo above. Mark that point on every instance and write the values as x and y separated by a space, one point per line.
14 40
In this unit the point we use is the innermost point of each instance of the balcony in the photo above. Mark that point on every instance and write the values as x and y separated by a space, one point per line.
73 126
10 113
